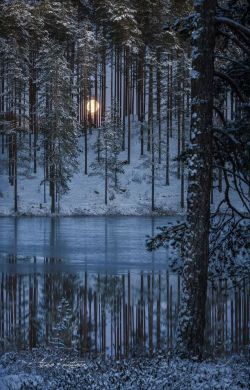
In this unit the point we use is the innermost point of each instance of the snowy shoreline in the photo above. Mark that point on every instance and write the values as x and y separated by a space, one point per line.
53 369
86 192
99 214
104 213
95 210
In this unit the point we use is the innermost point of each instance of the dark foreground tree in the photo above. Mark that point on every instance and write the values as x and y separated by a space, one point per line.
194 282
212 243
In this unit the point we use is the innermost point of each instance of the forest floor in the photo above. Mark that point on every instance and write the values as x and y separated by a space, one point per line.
86 192
49 369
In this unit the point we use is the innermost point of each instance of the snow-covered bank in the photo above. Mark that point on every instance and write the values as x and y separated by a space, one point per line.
86 192
47 369
87 211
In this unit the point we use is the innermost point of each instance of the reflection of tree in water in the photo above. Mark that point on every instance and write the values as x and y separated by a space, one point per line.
18 317
126 314
111 294
137 313
60 309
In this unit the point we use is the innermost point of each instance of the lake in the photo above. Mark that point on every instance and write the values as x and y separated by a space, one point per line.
88 284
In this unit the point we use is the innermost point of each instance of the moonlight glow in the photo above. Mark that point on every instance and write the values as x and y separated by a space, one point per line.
93 106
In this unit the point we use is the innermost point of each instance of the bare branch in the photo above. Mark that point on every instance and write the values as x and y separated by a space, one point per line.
225 77
236 41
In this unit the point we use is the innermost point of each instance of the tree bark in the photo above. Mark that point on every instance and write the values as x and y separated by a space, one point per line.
190 338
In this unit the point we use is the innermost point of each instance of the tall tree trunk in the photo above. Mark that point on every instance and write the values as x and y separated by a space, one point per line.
141 98
171 94
15 174
178 112
15 150
52 189
190 338
159 102
124 103
182 167
128 85
96 94
2 103
32 106
150 105
151 132
106 173
85 119
168 125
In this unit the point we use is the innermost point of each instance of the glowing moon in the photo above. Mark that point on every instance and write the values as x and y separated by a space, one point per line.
93 106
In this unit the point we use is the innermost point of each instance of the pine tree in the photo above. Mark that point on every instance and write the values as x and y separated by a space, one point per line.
58 120
109 145
13 78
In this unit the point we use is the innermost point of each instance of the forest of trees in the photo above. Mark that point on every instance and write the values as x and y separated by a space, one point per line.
179 68
50 71
131 58
57 56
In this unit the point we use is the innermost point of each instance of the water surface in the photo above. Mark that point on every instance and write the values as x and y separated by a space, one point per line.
88 284
115 244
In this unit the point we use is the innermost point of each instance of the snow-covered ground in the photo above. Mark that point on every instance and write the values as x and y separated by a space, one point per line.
51 370
86 194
